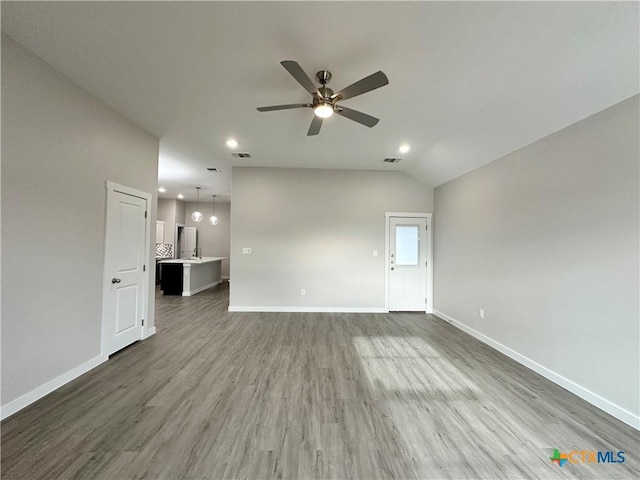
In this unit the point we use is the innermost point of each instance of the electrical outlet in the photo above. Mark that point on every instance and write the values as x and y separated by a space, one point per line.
303 292
246 251
375 253
481 313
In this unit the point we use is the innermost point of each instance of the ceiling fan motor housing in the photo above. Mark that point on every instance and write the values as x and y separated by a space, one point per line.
325 92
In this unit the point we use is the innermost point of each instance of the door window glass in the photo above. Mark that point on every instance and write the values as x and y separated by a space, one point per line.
407 245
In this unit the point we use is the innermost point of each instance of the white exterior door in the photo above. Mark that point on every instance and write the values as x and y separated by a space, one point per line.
125 274
407 264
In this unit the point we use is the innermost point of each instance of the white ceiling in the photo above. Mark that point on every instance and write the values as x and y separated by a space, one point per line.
469 81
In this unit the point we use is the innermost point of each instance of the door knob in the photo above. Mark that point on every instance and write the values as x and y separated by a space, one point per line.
115 280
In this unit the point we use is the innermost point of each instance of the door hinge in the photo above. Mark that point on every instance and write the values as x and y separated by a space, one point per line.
425 301
143 322
426 227
144 268
145 214
426 264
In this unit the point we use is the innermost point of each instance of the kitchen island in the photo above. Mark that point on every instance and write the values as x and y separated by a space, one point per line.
187 277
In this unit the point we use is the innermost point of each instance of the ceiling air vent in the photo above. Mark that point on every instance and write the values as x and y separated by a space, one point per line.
241 155
391 160
213 169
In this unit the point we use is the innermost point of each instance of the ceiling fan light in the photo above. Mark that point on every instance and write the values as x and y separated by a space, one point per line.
323 110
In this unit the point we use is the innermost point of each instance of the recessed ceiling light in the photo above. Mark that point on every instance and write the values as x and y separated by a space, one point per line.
162 189
180 196
404 148
232 143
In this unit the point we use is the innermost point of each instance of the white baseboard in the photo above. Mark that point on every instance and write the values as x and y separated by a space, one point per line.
593 398
148 332
45 389
308 309
201 289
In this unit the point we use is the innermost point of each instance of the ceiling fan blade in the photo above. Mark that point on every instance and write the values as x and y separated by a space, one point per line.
373 81
296 72
357 116
314 128
283 107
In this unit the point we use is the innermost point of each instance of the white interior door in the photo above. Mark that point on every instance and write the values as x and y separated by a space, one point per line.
124 271
407 264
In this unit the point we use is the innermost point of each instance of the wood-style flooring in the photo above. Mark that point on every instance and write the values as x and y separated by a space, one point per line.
218 395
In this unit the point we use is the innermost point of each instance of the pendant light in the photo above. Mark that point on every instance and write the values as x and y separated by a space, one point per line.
213 220
197 215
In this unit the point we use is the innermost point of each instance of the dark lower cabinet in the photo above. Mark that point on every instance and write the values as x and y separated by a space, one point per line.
171 276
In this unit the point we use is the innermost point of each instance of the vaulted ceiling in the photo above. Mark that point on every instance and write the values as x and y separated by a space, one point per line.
469 81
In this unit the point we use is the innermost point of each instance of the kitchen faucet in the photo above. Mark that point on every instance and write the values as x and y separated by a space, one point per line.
197 252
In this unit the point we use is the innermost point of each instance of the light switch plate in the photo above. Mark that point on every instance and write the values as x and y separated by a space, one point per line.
375 253
246 251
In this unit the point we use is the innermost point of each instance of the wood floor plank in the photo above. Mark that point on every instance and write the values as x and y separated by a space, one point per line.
219 395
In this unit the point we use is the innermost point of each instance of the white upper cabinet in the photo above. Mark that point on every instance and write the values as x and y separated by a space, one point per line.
159 231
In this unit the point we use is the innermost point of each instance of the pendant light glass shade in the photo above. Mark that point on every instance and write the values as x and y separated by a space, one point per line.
197 215
213 220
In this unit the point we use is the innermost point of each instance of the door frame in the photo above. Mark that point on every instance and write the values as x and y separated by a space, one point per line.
111 187
387 229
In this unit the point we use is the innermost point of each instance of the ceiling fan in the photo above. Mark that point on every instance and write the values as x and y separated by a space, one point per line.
325 102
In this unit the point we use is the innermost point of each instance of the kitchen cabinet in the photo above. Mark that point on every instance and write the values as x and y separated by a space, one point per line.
159 231
171 280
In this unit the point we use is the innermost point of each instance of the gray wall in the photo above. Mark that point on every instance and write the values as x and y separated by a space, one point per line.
314 229
214 240
180 213
545 240
170 211
167 213
59 146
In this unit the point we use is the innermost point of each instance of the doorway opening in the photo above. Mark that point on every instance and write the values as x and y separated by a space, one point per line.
177 251
186 241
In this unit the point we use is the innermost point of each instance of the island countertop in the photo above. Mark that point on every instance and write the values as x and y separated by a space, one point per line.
187 277
191 261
